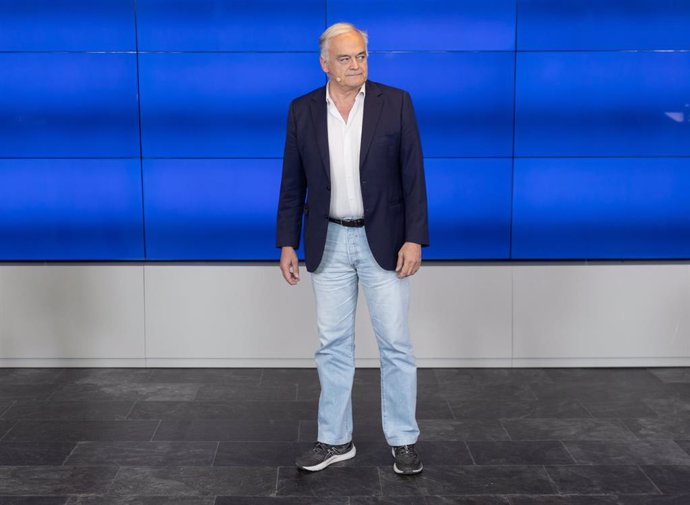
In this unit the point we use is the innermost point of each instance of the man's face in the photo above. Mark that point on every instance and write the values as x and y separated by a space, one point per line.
347 61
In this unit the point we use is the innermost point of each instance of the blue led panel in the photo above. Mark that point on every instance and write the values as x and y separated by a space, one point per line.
67 25
230 25
443 25
469 208
603 104
70 210
68 105
211 209
603 24
601 209
464 101
221 105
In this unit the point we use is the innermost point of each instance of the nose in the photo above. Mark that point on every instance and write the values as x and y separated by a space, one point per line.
354 64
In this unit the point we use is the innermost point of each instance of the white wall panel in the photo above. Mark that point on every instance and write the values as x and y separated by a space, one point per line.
72 311
602 311
467 314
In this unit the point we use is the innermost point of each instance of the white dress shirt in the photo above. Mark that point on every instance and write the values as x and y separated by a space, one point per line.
344 140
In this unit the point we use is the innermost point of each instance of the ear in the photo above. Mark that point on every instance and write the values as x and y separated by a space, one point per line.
324 64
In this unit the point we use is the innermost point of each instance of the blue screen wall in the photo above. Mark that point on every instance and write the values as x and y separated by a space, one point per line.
153 130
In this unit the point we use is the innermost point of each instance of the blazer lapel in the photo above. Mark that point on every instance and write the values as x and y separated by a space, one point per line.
373 105
318 116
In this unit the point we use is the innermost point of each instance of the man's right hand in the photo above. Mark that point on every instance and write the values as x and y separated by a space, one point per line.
289 265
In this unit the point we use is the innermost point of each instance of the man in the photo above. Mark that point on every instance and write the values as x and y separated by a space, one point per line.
353 152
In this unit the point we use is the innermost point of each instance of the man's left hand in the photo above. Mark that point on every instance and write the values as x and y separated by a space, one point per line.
409 259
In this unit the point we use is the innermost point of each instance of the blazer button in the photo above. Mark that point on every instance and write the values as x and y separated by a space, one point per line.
328 188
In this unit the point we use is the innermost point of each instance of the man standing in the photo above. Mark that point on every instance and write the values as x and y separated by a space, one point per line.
353 153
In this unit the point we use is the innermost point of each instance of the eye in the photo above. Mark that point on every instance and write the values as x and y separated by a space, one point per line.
361 57
343 59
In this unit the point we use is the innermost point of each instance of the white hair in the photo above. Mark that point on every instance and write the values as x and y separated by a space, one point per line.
335 30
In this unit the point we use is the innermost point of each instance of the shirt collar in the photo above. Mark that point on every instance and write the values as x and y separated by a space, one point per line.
362 91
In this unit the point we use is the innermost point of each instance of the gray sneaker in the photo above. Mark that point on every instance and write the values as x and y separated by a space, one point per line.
407 461
322 455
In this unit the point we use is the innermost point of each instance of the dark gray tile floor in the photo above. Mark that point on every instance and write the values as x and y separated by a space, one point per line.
229 436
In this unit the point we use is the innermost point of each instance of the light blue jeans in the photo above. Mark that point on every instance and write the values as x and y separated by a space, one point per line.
347 259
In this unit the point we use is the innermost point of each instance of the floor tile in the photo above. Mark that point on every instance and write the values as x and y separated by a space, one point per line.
464 429
37 431
126 391
659 427
463 392
5 427
72 410
600 479
103 375
25 391
464 480
668 407
222 429
669 375
23 376
633 452
491 409
194 481
259 453
248 376
564 500
485 376
519 453
682 499
464 500
34 453
670 479
228 392
566 429
55 480
143 453
333 482
140 500
631 407
683 444
235 410
33 500
282 500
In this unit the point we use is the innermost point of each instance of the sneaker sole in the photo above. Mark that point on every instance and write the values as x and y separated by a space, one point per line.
410 472
333 459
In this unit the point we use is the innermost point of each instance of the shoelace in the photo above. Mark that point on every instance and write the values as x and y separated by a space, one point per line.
321 447
404 450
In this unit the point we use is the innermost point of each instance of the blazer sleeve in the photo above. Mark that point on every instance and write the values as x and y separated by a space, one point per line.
413 181
293 189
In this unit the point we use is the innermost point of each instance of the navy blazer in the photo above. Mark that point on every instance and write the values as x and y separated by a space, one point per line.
391 176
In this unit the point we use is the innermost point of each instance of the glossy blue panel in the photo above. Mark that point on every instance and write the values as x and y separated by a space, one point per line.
221 105
211 209
69 105
603 24
601 208
70 210
443 25
603 104
464 101
230 25
67 25
469 208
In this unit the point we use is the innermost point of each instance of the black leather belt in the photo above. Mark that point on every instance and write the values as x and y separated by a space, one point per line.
350 223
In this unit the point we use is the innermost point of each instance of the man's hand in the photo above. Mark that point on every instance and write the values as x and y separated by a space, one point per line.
289 265
409 259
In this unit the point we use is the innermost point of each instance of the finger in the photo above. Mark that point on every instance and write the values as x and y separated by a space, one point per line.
295 268
401 258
